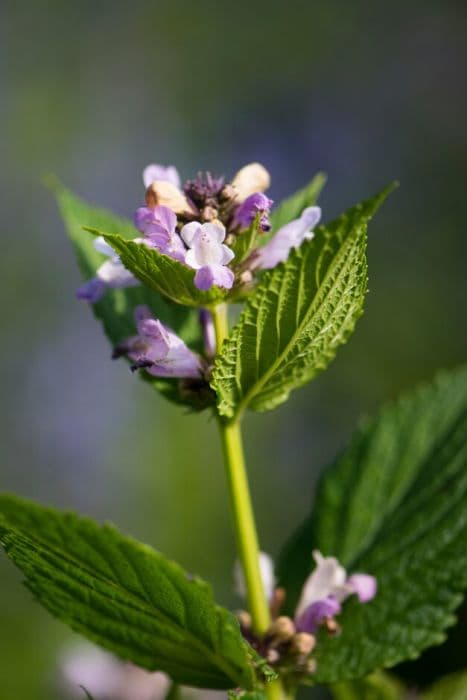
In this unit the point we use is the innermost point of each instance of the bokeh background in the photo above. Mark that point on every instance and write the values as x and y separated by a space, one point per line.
93 91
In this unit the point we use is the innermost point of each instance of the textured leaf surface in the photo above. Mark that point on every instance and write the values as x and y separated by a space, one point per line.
292 207
115 309
453 687
394 504
161 273
124 595
300 313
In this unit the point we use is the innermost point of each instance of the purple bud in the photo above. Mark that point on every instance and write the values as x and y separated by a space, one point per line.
316 613
364 585
92 290
248 210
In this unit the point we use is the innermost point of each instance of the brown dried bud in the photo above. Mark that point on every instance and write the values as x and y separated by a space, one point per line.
209 213
272 656
282 629
244 619
164 193
303 643
331 626
227 192
246 278
250 179
278 597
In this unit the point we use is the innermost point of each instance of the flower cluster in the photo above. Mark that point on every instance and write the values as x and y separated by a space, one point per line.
196 224
289 642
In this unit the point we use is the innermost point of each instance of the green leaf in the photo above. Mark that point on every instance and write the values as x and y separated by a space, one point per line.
394 505
292 207
115 309
125 596
452 687
245 241
300 313
377 686
161 273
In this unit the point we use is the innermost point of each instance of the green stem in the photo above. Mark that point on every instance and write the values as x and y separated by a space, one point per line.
243 516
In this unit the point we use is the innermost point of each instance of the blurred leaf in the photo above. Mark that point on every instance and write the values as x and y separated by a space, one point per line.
162 273
124 595
452 687
292 207
299 314
394 504
377 686
115 309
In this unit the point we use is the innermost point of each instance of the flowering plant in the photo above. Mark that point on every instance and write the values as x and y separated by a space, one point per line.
392 509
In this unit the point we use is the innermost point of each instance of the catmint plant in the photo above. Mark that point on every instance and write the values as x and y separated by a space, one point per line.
376 571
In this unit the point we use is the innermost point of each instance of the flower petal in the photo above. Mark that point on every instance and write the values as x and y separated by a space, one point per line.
115 274
160 172
315 614
189 232
327 578
364 586
91 291
210 275
101 245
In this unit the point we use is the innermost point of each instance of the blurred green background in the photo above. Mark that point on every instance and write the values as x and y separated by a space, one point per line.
93 91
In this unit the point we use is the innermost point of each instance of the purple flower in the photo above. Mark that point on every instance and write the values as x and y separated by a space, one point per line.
158 350
326 588
154 172
317 613
289 236
111 274
208 255
323 592
248 210
106 677
158 224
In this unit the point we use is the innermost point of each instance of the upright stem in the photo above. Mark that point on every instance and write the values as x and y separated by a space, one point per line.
243 516
245 529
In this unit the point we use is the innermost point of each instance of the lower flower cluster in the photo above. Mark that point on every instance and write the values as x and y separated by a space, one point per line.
288 644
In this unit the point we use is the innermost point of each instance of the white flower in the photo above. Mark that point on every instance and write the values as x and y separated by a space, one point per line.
208 255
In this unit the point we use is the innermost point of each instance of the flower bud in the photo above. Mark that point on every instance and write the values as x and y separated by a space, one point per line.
282 629
310 666
209 213
250 179
162 192
228 192
244 619
303 643
272 656
331 626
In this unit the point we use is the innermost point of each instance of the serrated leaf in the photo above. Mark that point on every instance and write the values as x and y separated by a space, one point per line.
115 309
452 687
162 273
394 505
300 313
124 595
291 207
